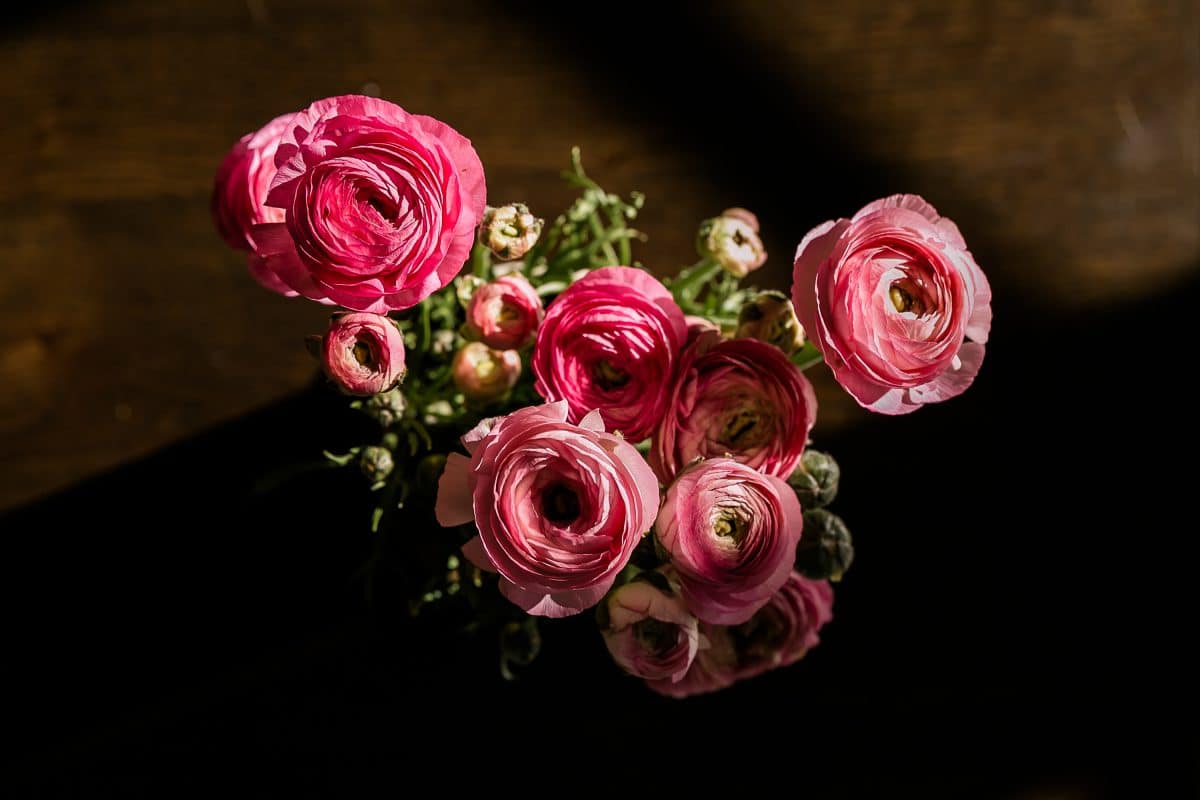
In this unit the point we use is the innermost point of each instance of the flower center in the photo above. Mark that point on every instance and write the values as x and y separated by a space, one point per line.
655 636
905 298
560 504
508 313
744 428
363 354
731 525
609 377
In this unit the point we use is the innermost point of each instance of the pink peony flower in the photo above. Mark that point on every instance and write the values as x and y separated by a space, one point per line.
731 533
240 194
559 507
611 342
649 632
381 205
483 374
505 313
778 634
742 398
363 353
895 302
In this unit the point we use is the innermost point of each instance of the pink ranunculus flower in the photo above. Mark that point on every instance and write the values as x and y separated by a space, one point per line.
649 631
731 533
483 374
611 342
778 634
363 353
559 507
698 326
505 314
786 628
740 397
239 198
381 205
895 302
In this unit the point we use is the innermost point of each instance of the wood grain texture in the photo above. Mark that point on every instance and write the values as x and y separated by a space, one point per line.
1061 136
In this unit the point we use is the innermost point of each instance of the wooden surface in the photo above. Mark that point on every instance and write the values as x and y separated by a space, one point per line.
1062 136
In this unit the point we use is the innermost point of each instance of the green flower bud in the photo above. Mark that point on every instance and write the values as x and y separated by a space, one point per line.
825 549
816 479
429 472
520 643
376 463
770 318
510 231
386 408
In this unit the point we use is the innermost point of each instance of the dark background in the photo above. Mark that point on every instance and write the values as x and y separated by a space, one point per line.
1018 620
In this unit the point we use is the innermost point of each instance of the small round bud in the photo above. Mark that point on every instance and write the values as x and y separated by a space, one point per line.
770 318
510 231
376 463
386 408
732 241
816 479
483 374
520 643
429 471
825 550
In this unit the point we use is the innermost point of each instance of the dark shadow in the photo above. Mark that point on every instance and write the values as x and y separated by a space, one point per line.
1021 582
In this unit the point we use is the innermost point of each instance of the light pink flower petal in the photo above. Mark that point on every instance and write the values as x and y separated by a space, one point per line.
473 551
556 604
455 505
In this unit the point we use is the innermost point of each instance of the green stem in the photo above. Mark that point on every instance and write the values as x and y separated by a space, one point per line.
807 356
692 279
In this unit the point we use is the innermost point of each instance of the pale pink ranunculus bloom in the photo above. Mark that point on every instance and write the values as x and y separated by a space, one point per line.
737 397
611 342
779 634
380 205
731 533
363 353
895 302
483 374
649 632
239 197
559 506
505 314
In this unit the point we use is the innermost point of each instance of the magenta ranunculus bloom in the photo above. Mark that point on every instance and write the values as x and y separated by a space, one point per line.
363 353
895 302
778 634
611 342
380 205
239 198
505 314
559 506
742 398
731 533
650 633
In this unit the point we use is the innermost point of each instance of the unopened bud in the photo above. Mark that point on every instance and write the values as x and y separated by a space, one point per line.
429 471
732 241
825 550
510 231
386 408
483 374
770 318
816 479
520 643
376 463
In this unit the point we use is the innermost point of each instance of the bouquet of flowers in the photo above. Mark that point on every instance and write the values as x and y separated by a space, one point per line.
587 435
